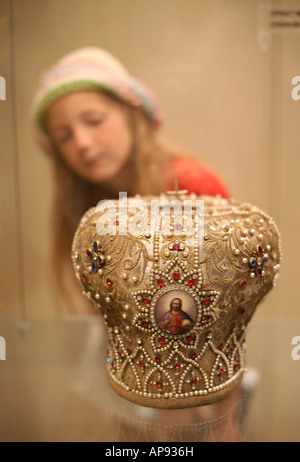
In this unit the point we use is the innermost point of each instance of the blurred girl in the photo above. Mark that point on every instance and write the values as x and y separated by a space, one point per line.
101 127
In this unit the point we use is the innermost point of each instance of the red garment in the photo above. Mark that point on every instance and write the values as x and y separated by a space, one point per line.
172 322
195 177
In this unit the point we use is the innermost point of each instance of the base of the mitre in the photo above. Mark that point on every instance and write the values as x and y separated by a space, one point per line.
182 401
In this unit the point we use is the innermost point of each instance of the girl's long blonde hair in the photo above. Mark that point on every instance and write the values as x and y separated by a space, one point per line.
74 195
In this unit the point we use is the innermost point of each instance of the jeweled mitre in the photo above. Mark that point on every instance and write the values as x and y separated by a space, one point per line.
177 287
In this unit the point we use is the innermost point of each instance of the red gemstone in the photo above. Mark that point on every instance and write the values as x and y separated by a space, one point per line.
191 282
204 321
244 284
145 301
89 253
128 351
189 338
145 323
141 364
119 352
221 372
159 384
116 222
237 363
231 350
259 271
161 340
193 380
176 275
193 355
206 301
178 226
158 359
161 283
109 282
84 277
176 247
260 250
221 346
177 367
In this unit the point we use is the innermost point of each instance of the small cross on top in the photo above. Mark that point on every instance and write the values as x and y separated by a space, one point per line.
176 192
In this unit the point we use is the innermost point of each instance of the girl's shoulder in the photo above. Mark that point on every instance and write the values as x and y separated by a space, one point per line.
195 177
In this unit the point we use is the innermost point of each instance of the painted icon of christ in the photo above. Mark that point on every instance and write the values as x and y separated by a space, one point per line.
176 320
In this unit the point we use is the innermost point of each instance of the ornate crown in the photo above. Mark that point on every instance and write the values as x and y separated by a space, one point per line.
176 300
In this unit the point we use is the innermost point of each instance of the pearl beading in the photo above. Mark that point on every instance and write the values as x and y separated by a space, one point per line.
142 358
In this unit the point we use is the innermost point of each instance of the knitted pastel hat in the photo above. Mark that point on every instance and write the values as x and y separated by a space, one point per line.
92 68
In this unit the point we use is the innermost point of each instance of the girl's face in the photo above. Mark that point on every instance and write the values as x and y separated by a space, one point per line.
92 133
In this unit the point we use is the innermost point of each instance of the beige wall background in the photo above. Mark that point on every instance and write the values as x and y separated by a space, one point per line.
223 78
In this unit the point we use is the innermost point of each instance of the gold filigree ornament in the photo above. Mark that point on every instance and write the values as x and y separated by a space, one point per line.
176 303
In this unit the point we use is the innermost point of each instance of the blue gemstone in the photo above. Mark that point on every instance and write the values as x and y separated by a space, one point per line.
265 260
95 246
253 262
94 268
